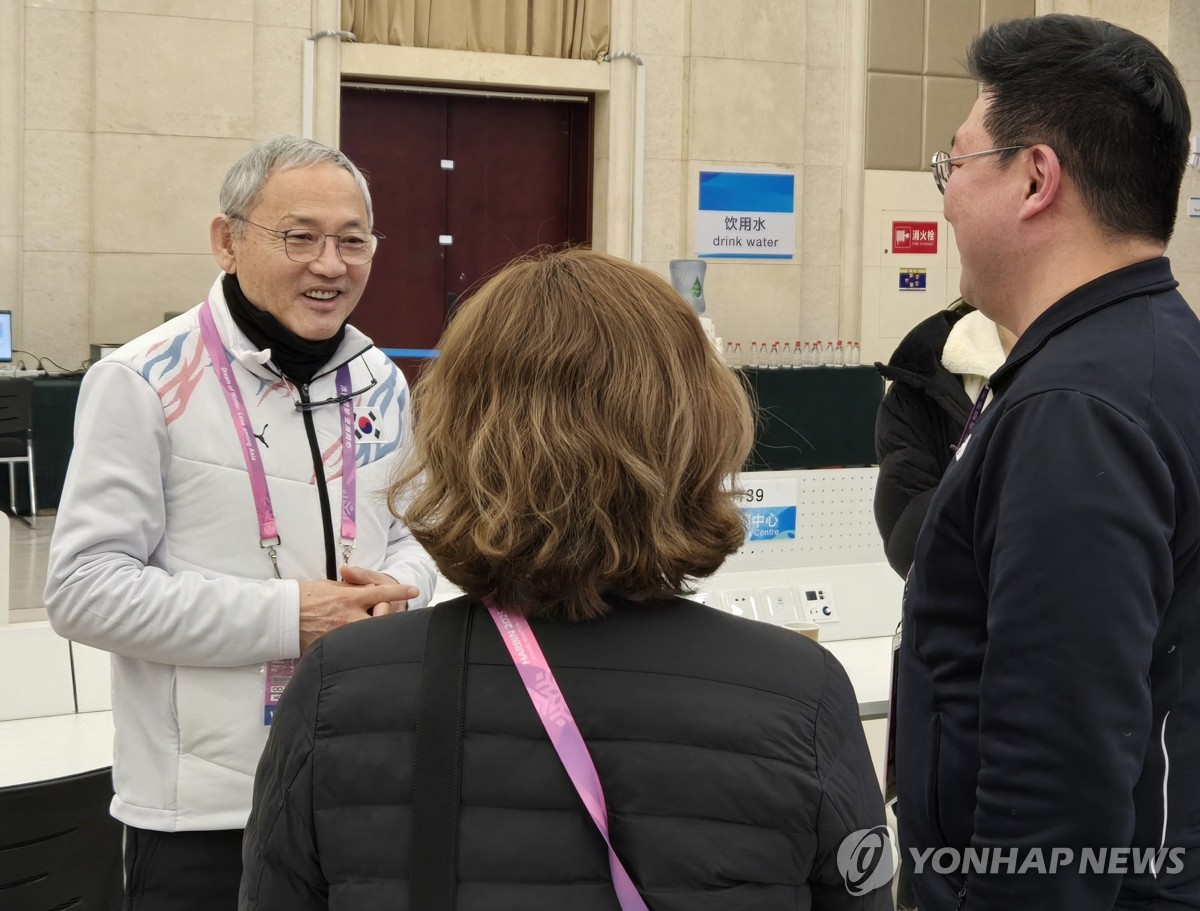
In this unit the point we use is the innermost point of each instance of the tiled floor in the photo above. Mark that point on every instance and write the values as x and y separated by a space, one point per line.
28 551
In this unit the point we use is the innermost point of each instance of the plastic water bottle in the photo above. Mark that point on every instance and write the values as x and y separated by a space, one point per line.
855 355
737 354
773 359
787 356
827 355
729 354
839 355
799 355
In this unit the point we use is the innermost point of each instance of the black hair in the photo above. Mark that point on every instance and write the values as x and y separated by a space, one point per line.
1106 100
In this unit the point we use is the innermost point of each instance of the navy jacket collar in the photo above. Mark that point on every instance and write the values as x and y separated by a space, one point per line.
1150 277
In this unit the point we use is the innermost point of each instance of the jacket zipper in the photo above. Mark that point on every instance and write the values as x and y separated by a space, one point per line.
322 489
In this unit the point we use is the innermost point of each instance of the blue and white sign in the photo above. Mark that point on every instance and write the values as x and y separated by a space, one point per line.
769 509
766 523
746 215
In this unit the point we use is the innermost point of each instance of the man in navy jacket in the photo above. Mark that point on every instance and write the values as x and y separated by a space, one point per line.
1049 689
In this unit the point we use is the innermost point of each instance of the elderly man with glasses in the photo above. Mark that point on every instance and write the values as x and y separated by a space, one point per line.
223 511
1049 691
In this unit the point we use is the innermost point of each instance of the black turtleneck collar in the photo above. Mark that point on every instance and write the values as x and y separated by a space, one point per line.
297 358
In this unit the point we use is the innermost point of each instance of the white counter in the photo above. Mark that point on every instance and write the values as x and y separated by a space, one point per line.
868 663
37 749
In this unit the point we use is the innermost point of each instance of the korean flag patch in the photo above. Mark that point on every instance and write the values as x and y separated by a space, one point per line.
366 426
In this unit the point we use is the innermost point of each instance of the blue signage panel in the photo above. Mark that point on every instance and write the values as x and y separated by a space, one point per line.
746 215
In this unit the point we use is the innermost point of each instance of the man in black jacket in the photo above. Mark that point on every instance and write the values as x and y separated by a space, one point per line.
1047 705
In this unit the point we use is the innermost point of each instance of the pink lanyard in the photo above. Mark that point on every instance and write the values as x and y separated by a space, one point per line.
980 404
268 532
564 735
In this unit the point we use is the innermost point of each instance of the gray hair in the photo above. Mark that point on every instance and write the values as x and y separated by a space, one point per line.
246 177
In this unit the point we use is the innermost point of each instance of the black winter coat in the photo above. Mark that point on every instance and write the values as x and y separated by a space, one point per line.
918 423
1049 693
730 751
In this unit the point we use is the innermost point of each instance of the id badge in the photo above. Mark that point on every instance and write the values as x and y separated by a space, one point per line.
278 676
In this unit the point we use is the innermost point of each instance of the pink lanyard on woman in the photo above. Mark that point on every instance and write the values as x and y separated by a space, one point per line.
564 734
268 532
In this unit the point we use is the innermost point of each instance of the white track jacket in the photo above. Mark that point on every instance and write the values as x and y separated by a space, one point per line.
156 553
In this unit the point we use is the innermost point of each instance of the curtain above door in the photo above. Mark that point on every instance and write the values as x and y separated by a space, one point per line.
571 29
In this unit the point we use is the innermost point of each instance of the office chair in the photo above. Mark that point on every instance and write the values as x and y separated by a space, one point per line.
16 440
59 848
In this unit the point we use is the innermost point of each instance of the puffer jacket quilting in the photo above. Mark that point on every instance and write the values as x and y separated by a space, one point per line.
730 751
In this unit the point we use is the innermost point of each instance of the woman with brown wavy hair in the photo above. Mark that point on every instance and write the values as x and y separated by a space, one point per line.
572 469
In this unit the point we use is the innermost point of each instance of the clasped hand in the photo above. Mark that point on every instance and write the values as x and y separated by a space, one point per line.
361 593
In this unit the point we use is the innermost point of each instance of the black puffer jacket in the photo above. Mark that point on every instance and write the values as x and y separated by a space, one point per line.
918 423
731 754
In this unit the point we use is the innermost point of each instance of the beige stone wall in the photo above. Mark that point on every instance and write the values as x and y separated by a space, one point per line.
725 85
754 84
918 93
1174 25
12 141
131 109
118 118
1183 46
126 116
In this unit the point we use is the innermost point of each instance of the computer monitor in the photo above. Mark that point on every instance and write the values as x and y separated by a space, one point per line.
6 339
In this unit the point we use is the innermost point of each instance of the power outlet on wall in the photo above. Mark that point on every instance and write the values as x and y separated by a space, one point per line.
778 604
740 602
817 604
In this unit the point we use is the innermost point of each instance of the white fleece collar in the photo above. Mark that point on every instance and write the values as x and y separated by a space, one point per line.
973 347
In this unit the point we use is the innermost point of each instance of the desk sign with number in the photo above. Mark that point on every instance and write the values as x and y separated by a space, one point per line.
769 508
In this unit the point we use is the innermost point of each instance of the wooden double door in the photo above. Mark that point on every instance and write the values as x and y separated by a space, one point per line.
461 183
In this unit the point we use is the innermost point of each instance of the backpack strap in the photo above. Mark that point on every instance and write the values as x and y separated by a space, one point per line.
437 760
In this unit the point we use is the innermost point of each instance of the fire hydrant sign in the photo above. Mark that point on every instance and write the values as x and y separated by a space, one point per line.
769 509
746 215
914 237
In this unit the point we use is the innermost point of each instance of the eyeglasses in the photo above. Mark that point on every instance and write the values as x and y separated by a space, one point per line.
303 246
940 165
338 399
